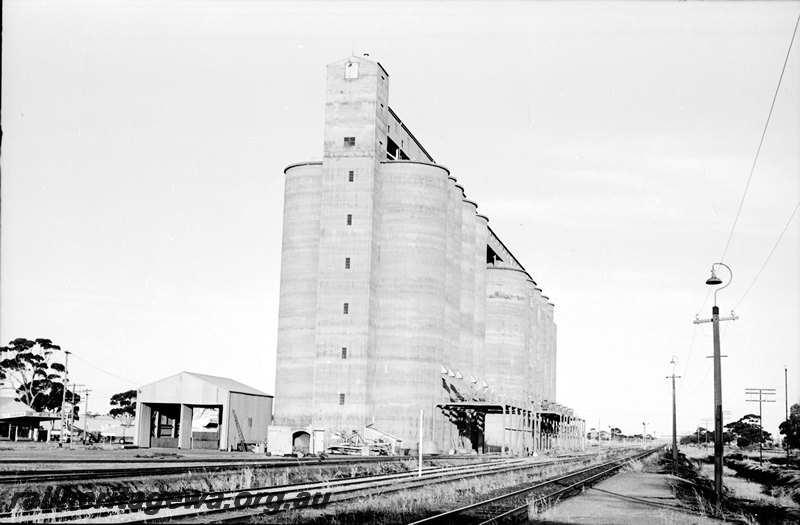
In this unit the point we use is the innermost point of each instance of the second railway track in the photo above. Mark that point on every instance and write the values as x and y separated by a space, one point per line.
514 506
226 508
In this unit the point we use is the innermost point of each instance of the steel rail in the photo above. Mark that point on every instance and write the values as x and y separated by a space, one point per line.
458 515
388 486
54 475
343 486
343 458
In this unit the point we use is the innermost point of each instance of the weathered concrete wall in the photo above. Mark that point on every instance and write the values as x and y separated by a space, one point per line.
479 289
298 296
467 259
357 107
507 322
411 287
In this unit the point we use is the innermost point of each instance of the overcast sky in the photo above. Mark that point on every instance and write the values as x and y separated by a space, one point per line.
609 144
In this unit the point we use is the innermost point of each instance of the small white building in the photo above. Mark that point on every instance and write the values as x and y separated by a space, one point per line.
165 411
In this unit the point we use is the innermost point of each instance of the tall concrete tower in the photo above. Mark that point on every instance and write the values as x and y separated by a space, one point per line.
329 254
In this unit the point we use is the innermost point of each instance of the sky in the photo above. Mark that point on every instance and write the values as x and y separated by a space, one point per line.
610 145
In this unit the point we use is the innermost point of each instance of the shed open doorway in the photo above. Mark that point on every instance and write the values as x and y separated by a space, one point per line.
205 427
165 425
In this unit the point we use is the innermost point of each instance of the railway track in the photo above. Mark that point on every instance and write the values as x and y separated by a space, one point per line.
513 507
238 505
18 477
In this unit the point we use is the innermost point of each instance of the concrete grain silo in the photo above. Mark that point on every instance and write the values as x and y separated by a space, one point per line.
298 300
396 295
410 339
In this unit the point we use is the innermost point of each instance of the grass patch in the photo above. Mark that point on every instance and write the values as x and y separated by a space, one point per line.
743 500
412 504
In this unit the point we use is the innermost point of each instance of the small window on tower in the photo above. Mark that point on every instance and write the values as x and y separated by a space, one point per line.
341 399
347 263
351 70
344 352
346 308
349 219
351 175
349 141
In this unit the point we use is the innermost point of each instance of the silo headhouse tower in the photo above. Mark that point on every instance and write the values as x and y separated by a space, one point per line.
397 297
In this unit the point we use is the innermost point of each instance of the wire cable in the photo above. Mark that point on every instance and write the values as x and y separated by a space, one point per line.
761 142
137 383
768 256
688 357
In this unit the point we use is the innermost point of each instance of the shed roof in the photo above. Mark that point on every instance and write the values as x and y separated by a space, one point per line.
229 384
11 409
222 383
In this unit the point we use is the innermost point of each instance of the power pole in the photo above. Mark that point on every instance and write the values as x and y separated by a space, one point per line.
674 428
644 435
786 394
718 444
85 414
64 397
71 415
761 392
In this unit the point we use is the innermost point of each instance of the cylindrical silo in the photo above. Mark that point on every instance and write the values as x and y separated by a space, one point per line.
466 334
542 380
453 356
551 349
479 320
298 296
410 287
507 321
531 350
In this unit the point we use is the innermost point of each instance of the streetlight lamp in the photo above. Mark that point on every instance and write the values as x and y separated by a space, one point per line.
715 319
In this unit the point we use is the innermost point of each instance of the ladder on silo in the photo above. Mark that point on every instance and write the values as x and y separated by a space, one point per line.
242 444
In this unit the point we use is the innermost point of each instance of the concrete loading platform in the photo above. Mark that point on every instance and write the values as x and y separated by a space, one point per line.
517 430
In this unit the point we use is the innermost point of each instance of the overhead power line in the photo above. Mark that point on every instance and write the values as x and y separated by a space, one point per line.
770 255
761 142
106 371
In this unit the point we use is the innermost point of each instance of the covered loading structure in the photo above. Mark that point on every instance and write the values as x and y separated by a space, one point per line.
18 421
164 412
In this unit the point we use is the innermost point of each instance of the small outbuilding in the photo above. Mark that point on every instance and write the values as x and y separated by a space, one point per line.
166 410
18 421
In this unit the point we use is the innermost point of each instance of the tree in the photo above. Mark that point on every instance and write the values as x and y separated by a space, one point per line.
748 431
124 404
39 383
791 428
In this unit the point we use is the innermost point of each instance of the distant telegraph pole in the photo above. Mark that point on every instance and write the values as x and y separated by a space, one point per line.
786 394
64 420
86 415
674 420
761 392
